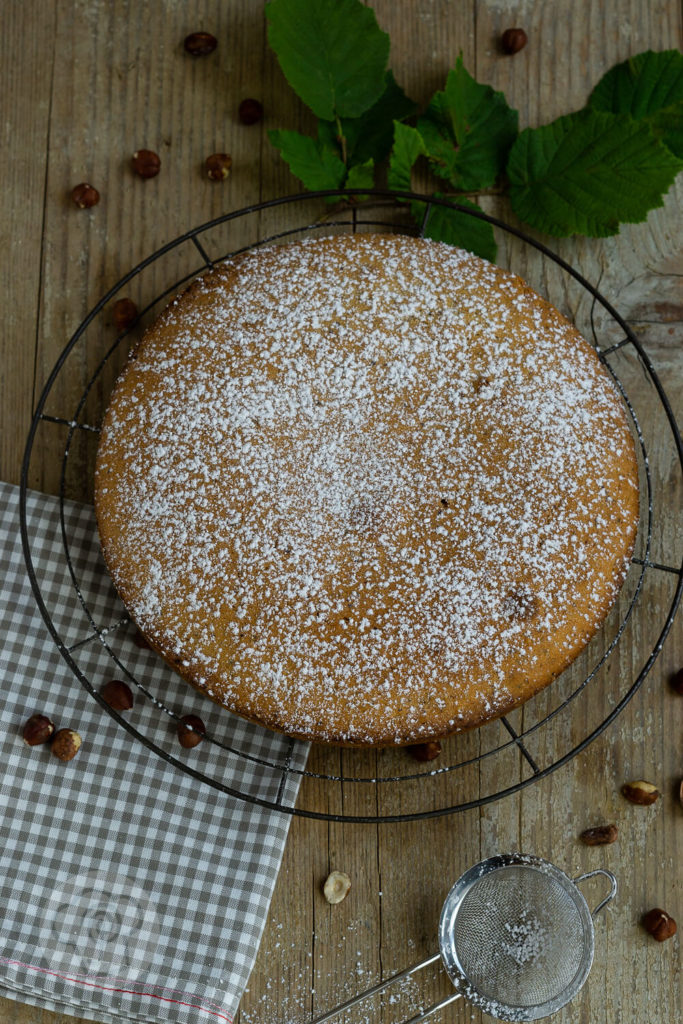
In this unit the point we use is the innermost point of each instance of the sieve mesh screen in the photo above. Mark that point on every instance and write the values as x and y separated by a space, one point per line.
520 936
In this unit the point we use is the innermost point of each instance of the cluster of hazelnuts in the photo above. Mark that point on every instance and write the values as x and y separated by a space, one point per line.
147 164
656 922
65 743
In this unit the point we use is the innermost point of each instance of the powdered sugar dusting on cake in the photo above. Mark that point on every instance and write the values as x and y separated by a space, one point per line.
348 500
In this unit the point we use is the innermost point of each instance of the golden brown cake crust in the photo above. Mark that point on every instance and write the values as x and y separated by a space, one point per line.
366 489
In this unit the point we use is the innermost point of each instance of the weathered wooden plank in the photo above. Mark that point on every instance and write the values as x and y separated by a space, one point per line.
26 82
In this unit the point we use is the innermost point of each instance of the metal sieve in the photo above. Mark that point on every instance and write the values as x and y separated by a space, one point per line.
515 936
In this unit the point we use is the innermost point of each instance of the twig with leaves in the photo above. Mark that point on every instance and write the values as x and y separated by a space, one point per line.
585 173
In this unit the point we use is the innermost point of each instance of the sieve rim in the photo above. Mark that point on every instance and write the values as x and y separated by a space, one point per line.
449 955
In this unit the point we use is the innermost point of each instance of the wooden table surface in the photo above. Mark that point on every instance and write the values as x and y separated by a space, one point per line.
87 82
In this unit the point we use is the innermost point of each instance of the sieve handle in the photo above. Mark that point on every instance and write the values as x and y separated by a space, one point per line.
422 1015
612 893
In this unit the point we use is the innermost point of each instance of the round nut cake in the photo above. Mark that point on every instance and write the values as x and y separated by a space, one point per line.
366 489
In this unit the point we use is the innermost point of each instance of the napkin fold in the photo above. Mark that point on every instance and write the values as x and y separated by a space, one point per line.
129 888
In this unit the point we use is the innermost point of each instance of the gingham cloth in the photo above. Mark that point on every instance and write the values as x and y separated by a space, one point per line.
129 889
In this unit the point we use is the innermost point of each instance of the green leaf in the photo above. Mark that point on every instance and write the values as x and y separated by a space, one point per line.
332 52
649 87
667 125
440 142
641 85
311 160
370 136
587 172
443 223
468 130
408 146
456 228
361 176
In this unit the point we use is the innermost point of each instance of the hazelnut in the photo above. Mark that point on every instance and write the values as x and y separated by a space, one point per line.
425 751
513 40
85 196
659 924
600 835
640 792
336 887
66 744
200 44
677 682
37 730
146 163
218 166
250 111
118 695
191 731
124 314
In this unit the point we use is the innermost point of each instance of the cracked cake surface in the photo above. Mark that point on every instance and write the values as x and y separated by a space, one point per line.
366 489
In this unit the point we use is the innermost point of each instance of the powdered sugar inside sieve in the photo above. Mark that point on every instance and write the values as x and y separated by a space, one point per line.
519 937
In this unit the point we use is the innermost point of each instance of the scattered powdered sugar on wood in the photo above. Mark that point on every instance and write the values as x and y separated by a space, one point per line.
360 488
303 993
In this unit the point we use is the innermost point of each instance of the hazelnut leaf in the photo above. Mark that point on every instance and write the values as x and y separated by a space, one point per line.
369 137
333 53
442 224
371 134
361 176
587 172
667 125
408 146
468 130
446 225
649 87
313 161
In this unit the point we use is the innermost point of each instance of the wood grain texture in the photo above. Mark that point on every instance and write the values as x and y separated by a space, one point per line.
99 79
26 90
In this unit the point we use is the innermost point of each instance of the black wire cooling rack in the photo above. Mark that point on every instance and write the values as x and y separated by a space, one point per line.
474 768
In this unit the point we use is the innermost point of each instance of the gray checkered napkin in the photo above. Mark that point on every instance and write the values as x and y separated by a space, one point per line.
129 889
